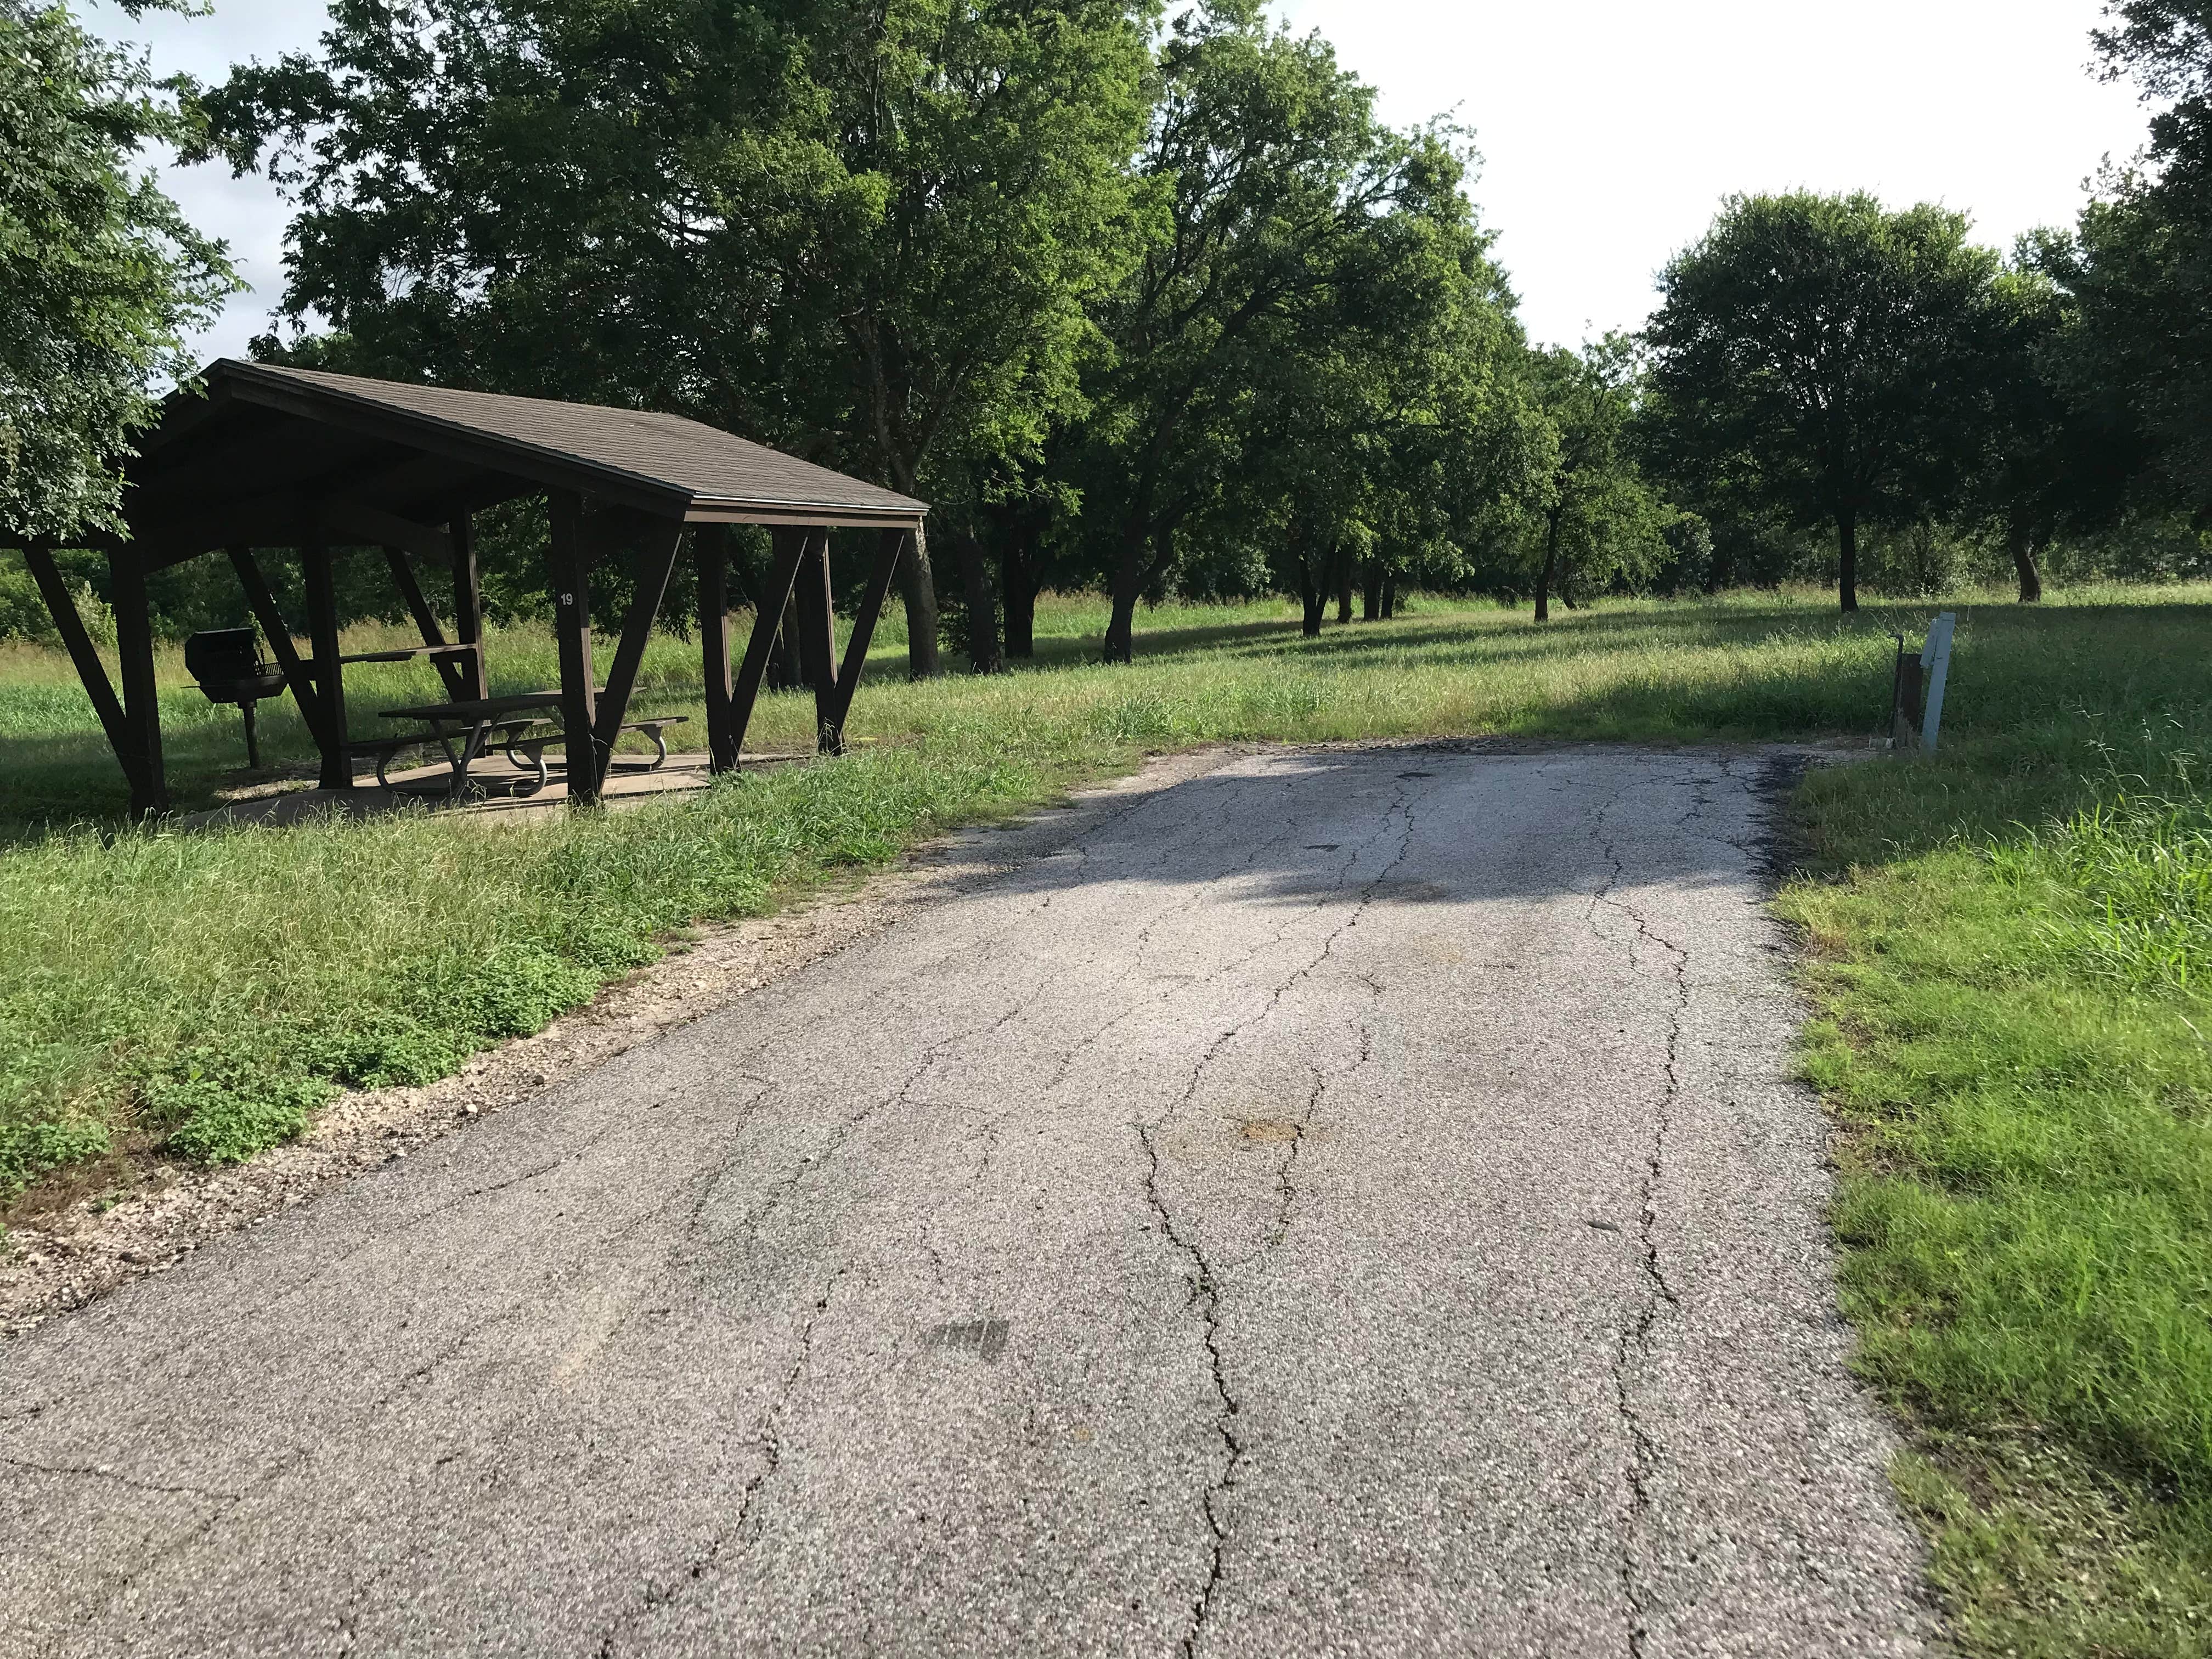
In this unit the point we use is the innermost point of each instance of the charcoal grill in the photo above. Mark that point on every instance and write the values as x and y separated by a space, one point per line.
227 663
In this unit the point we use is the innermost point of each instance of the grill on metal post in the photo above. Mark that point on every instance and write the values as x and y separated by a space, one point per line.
227 663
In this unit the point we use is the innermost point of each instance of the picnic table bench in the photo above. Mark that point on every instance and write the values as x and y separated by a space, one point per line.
531 738
516 724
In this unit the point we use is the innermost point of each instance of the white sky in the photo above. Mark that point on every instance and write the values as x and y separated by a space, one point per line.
1610 129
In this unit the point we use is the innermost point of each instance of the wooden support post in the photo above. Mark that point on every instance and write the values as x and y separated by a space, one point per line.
403 578
89 668
783 571
817 639
710 548
330 675
891 545
571 559
279 636
468 605
654 541
1904 704
134 641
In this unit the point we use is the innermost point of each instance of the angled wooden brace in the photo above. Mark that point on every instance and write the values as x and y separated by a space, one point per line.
890 548
658 540
768 618
89 668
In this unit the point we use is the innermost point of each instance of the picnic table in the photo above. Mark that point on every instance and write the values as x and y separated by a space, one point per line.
517 723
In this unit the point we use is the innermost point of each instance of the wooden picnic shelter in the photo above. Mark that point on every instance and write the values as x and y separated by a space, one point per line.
269 457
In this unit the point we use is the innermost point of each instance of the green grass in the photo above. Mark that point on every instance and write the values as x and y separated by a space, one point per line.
2013 963
2011 967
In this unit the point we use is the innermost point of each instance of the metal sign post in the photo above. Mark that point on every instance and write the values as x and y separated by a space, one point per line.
1936 661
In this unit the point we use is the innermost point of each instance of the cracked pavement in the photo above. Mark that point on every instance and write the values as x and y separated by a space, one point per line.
1343 1201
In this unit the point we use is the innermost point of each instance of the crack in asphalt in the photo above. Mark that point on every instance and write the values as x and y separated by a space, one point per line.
847 1127
101 1472
1203 1294
1076 843
1284 1184
294 1457
1176 903
324 1269
657 1594
1633 1352
1290 1055
1205 1297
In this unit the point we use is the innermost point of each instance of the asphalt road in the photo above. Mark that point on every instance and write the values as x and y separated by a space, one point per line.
1344 1202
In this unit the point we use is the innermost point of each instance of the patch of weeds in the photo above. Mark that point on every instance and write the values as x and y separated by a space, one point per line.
28 1150
221 1108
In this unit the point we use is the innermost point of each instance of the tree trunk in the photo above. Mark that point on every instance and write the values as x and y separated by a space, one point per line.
1847 543
1370 592
1389 594
983 656
1129 583
2019 536
1342 560
1017 583
1312 591
918 587
1316 599
1551 568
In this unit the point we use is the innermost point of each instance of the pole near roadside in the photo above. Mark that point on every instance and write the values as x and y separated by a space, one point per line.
1936 661
1904 697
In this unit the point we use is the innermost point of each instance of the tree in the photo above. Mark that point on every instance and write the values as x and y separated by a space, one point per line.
1268 169
2136 274
870 232
1342 382
1599 520
1816 353
2062 449
101 276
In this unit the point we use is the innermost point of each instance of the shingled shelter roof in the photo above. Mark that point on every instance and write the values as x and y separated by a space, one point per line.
219 467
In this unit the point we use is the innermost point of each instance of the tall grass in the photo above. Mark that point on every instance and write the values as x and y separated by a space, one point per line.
214 988
2013 1032
2139 872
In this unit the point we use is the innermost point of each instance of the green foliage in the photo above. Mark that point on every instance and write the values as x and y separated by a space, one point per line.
215 988
2144 866
1314 299
1596 521
2039 1553
222 1108
2138 269
101 278
29 1148
872 234
1821 358
239 965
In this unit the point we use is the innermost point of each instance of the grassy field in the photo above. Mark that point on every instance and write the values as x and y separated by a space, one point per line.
2011 961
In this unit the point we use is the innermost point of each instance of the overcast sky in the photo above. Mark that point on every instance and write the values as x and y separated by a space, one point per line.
1610 129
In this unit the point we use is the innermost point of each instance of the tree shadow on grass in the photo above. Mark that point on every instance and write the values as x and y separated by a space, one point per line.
1071 651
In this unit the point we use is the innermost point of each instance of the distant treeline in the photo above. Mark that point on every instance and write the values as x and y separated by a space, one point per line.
1142 303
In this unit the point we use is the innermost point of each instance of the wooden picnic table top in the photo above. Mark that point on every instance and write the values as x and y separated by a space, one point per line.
476 708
